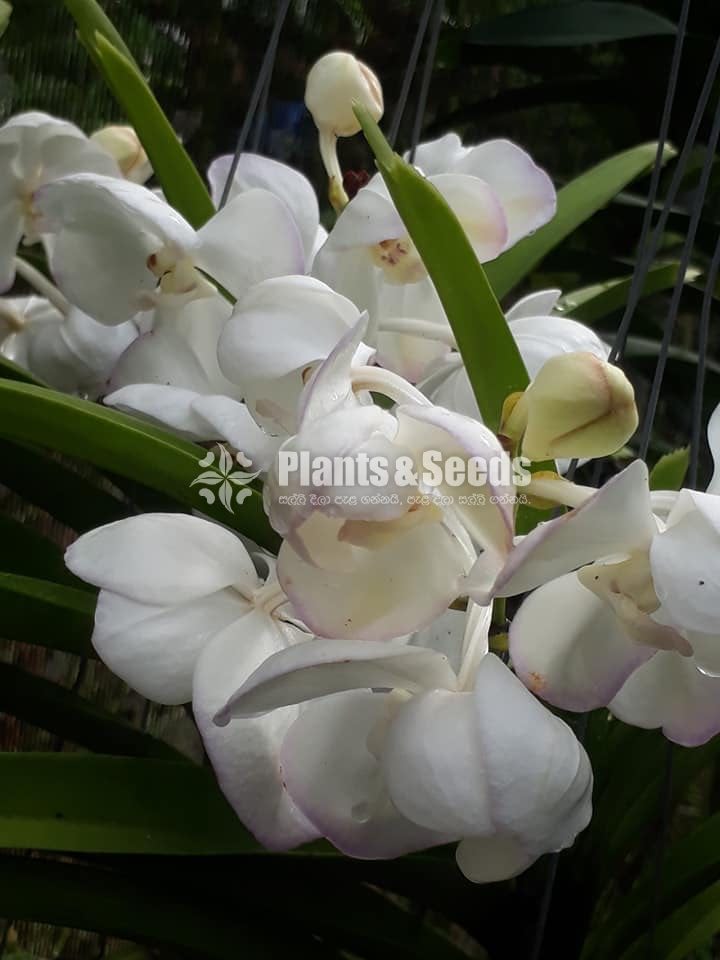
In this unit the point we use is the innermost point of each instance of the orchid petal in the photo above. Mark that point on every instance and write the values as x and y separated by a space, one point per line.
336 780
526 193
381 593
480 212
317 668
713 435
161 357
441 155
154 649
615 520
685 562
162 559
246 754
106 229
670 692
251 239
540 303
490 524
368 219
577 661
541 337
283 181
279 330
456 762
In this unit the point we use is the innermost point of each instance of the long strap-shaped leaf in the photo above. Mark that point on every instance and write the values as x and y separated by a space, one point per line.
95 898
46 614
123 444
181 183
488 349
51 707
99 804
576 202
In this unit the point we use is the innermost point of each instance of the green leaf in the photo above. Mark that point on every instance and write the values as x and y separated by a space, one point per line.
12 371
571 24
25 551
91 19
123 444
46 614
577 201
692 860
67 495
669 472
472 309
51 707
130 906
5 11
182 184
590 303
97 804
627 811
688 928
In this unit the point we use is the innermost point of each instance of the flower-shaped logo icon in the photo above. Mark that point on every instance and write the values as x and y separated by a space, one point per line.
224 478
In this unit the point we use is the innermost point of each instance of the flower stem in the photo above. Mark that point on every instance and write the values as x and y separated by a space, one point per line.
42 285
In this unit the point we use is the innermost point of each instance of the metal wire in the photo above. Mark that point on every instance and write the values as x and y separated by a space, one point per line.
263 80
647 256
426 76
638 277
687 250
409 73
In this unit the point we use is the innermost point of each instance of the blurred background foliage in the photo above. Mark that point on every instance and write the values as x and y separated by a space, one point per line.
572 84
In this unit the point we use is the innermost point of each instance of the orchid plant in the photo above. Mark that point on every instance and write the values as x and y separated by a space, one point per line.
384 644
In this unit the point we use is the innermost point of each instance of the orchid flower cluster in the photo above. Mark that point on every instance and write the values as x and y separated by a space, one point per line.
346 687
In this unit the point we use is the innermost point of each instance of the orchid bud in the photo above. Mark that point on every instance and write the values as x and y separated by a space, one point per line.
123 144
334 84
577 406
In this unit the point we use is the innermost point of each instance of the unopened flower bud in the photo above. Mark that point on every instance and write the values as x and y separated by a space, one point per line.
123 144
334 84
577 406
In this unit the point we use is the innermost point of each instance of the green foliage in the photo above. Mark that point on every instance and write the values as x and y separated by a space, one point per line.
178 177
570 25
669 472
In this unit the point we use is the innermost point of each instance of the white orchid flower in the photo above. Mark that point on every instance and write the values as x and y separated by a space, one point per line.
36 149
499 197
395 751
253 172
369 563
267 345
278 333
69 351
182 614
170 375
640 605
539 334
116 235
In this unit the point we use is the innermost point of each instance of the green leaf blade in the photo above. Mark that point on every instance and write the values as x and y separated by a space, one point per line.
570 25
123 444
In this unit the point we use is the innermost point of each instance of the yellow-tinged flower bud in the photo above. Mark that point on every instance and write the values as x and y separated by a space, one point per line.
123 144
333 83
577 406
